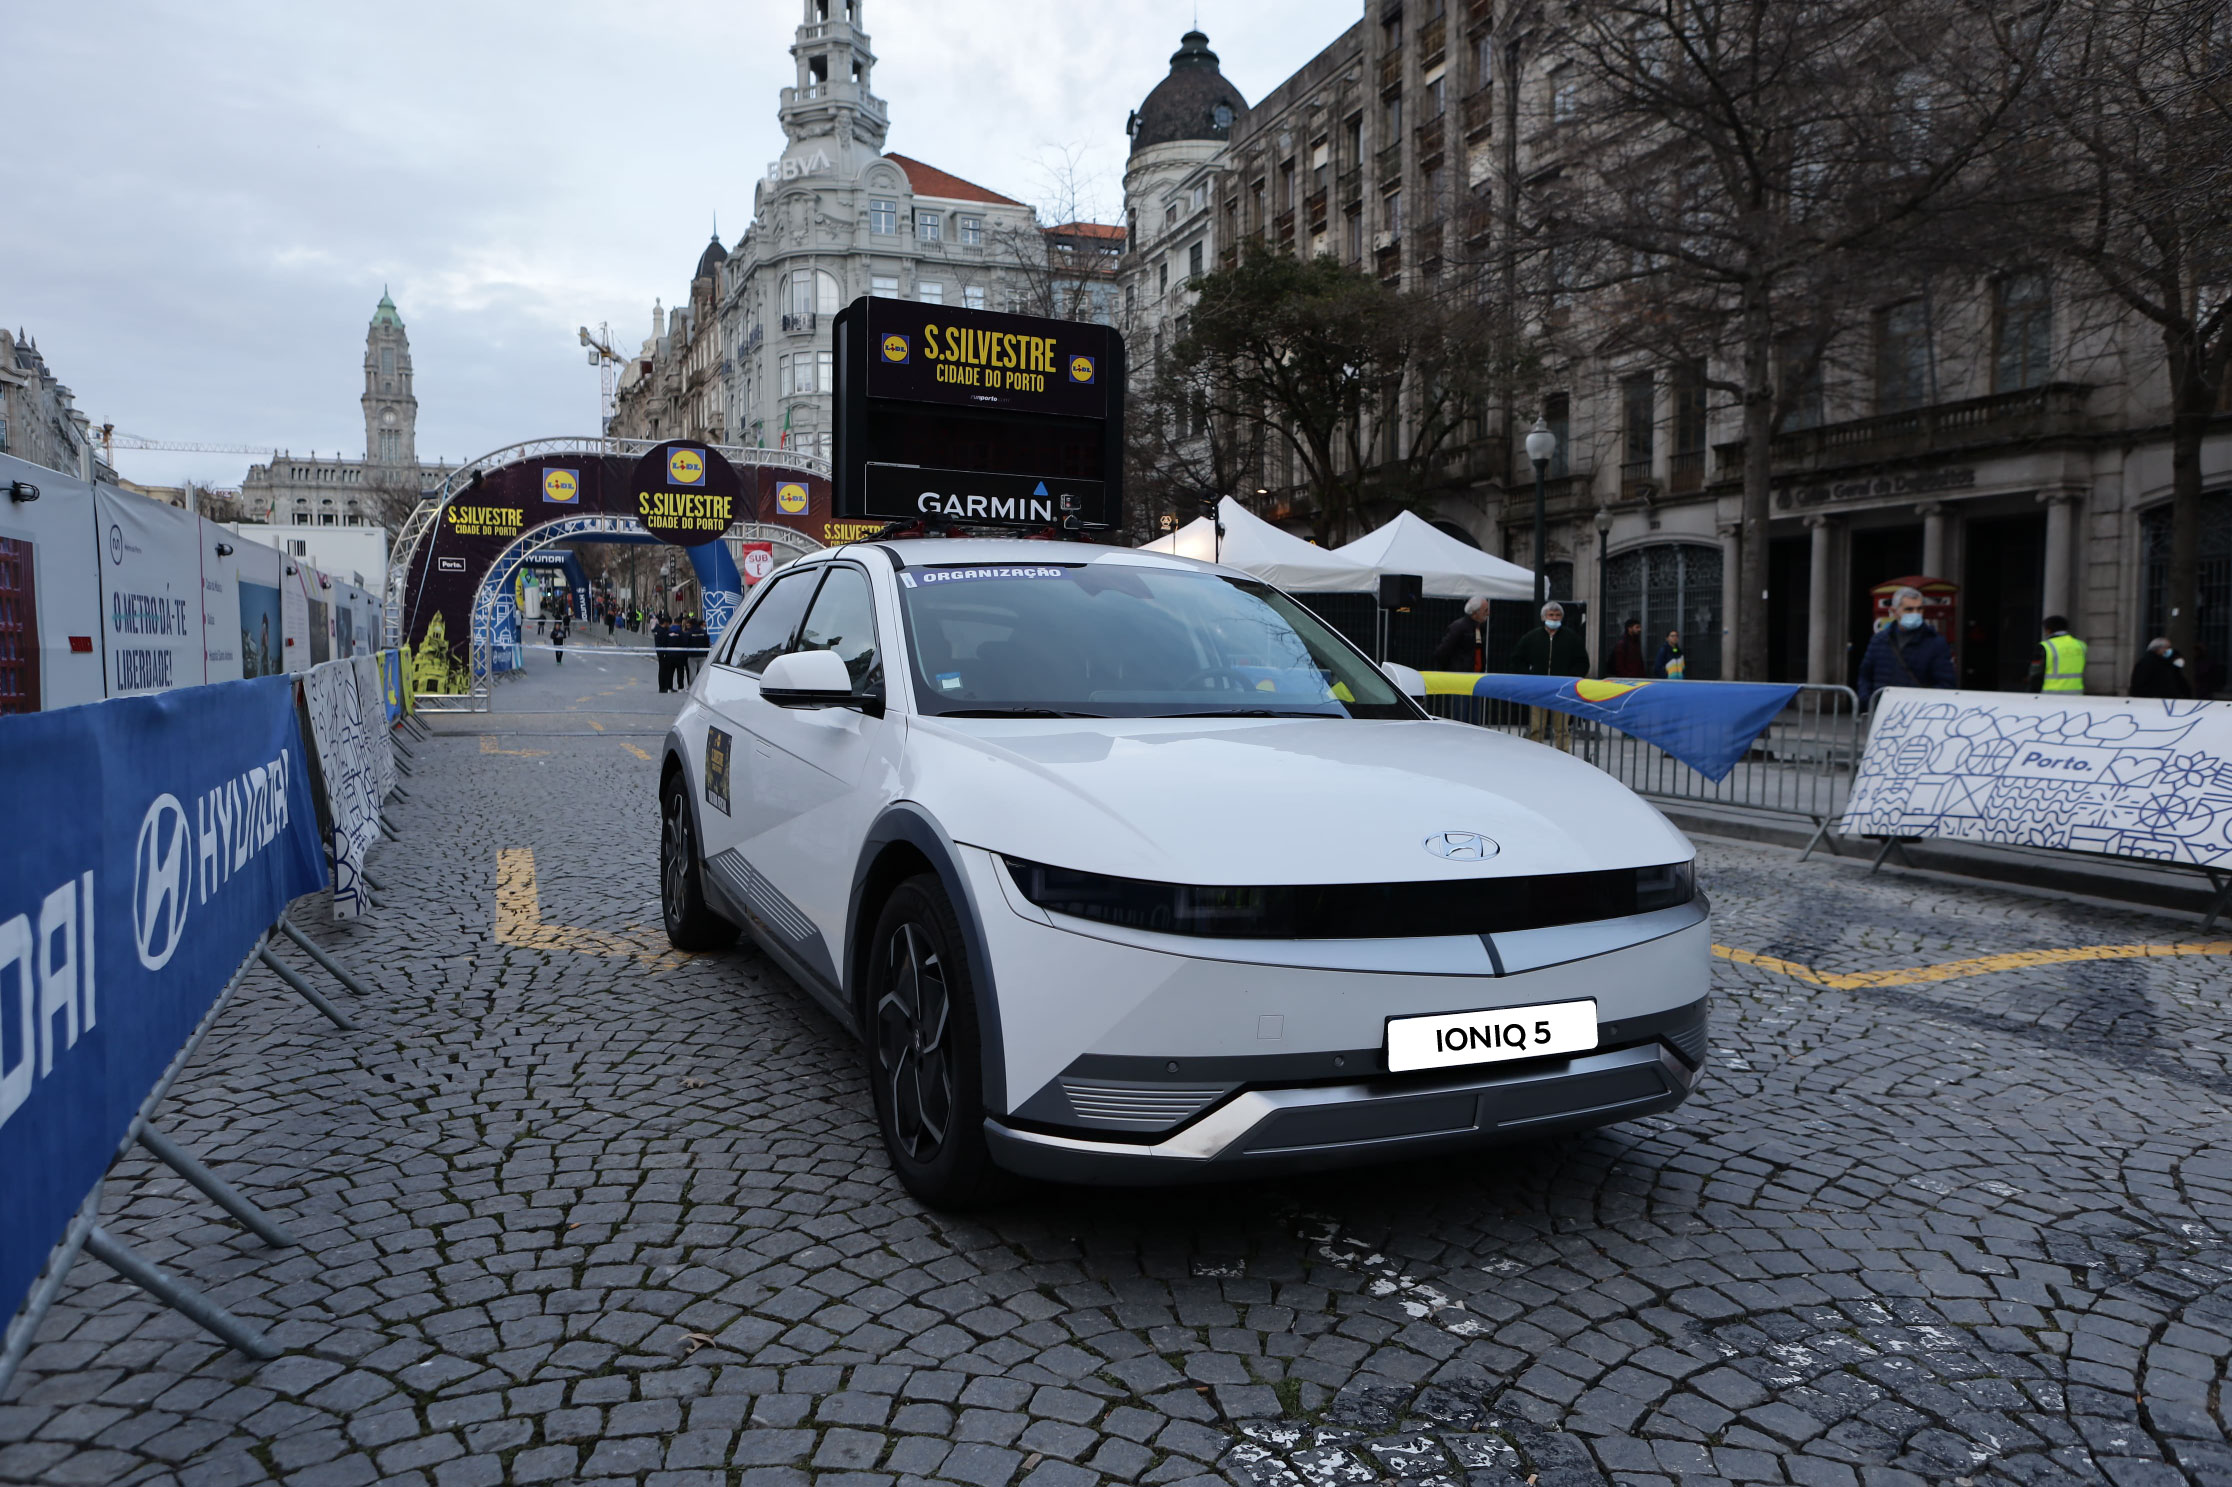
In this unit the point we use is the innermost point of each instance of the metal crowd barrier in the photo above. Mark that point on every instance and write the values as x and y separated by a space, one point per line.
1802 765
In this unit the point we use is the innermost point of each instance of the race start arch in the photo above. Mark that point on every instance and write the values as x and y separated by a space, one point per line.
450 580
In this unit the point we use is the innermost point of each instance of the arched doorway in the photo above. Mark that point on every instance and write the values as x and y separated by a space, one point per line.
1670 586
449 580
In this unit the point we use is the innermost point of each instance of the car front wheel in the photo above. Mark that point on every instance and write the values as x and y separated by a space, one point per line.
690 923
924 1058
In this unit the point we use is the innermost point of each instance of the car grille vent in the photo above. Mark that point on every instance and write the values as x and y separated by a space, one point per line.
1134 1105
1689 1042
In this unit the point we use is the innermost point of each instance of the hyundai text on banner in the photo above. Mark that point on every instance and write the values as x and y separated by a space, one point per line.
2124 777
338 729
151 841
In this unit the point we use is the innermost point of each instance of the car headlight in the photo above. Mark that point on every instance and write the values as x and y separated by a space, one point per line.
1354 911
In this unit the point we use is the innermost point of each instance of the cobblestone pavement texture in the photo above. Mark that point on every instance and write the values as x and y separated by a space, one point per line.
618 1216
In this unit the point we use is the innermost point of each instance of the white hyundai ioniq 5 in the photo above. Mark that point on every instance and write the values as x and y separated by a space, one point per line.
1126 868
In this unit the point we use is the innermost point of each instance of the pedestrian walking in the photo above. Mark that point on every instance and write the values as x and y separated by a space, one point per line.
2161 672
663 641
2059 665
1908 652
1670 662
558 639
1627 652
1464 645
1550 649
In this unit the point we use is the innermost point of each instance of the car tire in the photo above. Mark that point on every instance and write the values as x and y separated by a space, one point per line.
925 1060
690 923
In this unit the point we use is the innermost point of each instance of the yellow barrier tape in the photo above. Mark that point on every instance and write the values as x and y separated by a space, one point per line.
1983 965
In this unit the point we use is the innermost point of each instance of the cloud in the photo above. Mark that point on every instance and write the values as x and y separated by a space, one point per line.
225 188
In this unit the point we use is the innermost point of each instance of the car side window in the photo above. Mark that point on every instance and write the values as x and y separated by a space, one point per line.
766 632
843 620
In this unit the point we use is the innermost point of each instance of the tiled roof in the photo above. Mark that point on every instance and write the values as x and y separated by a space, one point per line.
928 180
1087 230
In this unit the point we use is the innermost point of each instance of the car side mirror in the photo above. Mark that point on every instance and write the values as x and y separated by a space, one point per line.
814 679
1407 681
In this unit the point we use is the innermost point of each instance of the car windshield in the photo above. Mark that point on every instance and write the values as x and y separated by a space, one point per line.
1125 640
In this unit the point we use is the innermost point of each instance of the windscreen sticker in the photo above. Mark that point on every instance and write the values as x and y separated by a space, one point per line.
717 770
928 576
949 680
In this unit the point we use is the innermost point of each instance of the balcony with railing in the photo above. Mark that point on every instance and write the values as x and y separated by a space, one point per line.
1391 69
1282 229
1432 39
1351 186
1686 473
1430 135
1313 211
1634 475
1429 242
1391 162
1479 113
2054 409
799 323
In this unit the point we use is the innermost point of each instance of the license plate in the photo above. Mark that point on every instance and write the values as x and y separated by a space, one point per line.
1451 1038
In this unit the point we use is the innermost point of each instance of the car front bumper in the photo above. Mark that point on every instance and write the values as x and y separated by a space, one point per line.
1260 1132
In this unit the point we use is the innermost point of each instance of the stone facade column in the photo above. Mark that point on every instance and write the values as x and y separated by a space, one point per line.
1933 538
2056 595
1819 637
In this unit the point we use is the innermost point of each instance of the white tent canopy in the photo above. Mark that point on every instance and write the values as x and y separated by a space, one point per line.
1450 569
1254 546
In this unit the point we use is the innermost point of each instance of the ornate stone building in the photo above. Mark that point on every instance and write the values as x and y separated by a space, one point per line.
378 490
39 417
2003 430
748 360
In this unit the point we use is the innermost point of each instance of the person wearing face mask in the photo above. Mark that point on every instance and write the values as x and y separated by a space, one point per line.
1550 649
2160 672
1908 652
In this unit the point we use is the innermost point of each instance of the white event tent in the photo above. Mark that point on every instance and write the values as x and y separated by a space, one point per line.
1256 547
1450 569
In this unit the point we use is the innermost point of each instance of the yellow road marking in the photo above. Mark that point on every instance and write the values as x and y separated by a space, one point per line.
489 746
519 920
1983 965
581 699
631 748
596 725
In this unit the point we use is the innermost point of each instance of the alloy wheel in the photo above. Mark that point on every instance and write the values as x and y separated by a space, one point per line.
674 859
914 1054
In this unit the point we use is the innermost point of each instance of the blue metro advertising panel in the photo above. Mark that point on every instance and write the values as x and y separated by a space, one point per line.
150 841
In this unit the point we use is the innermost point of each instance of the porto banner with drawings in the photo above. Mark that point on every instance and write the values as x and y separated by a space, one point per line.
350 742
2123 777
170 832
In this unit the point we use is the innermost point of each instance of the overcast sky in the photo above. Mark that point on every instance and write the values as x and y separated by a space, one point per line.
200 202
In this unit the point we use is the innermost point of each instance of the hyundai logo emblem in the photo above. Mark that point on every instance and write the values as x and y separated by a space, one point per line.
162 881
1462 846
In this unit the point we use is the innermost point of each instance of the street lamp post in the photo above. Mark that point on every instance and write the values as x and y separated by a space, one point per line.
1603 598
1541 445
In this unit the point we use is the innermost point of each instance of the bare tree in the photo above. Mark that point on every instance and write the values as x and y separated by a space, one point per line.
1735 169
2130 180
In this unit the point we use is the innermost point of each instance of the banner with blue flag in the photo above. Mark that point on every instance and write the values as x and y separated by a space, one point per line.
1707 725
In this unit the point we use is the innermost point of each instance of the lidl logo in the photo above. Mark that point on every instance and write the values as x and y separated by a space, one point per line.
562 487
685 467
790 498
895 348
1081 369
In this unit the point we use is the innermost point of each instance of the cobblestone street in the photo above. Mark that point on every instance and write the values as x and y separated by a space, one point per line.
575 1207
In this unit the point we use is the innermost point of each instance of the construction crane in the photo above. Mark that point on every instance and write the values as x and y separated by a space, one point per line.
114 438
608 363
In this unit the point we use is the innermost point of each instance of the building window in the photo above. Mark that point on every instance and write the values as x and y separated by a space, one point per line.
884 286
1170 215
928 293
2024 329
1565 98
973 297
1904 373
1688 472
1393 214
1352 142
972 232
1638 418
387 361
1435 182
1798 376
1392 118
1193 261
1484 62
928 227
1436 98
1675 586
1354 219
1391 29
1557 416
2213 621
803 374
883 217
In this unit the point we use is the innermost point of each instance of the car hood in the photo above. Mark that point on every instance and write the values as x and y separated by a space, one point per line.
1274 800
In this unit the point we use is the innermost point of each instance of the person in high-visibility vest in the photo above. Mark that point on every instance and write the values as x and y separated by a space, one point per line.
2060 665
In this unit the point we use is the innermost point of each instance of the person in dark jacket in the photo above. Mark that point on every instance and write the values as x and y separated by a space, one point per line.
558 635
695 644
1550 649
1464 645
663 641
1627 652
1670 662
1908 652
2160 672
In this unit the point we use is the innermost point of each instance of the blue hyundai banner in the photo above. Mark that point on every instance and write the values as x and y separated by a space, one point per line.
150 840
1707 725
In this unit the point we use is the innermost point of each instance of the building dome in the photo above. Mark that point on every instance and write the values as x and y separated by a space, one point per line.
711 259
1193 102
